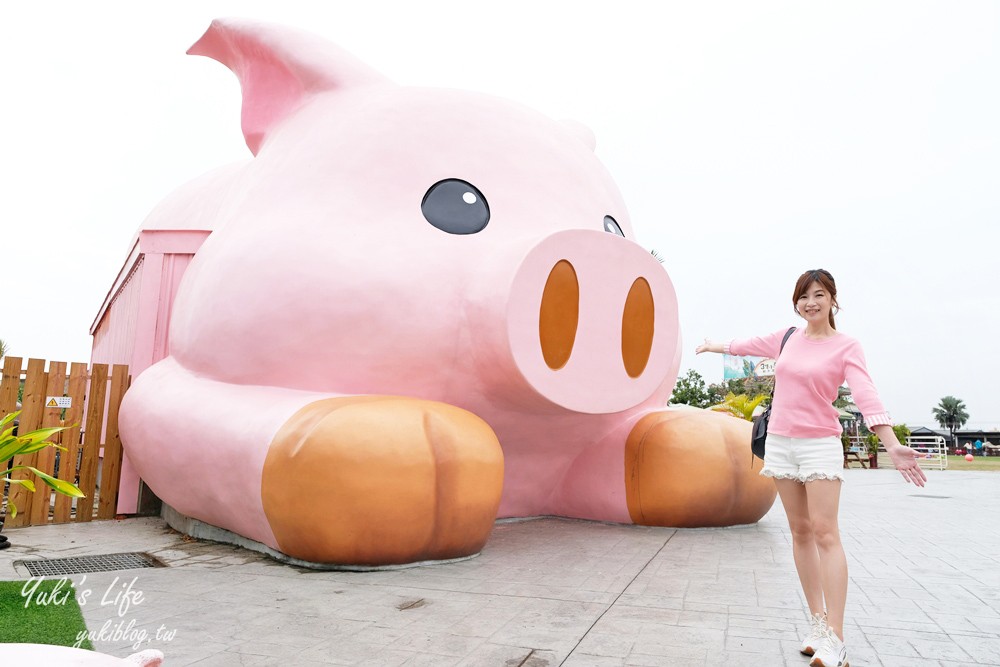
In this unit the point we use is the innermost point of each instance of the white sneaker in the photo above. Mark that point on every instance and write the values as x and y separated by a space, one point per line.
817 630
831 652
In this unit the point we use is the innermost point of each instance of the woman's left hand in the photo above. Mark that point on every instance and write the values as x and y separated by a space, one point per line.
905 460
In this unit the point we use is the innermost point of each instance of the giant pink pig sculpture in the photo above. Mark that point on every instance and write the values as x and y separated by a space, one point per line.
419 310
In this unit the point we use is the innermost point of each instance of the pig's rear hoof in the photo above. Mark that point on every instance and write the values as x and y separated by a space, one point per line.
377 480
690 468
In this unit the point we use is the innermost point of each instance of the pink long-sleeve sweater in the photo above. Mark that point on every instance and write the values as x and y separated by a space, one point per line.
807 376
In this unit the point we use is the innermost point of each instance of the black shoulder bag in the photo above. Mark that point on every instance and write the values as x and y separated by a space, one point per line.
759 432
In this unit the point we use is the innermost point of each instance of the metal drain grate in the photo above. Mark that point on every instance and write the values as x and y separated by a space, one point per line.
924 495
83 564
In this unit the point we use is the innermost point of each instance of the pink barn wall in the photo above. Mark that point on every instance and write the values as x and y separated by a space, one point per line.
132 324
114 338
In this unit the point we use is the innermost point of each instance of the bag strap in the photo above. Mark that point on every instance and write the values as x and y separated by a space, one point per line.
784 340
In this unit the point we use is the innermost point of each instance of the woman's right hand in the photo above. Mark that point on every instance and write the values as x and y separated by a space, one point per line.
708 346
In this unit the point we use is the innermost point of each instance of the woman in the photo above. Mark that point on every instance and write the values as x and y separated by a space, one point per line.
804 454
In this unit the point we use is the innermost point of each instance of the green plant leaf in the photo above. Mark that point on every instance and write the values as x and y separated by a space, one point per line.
9 450
59 485
12 509
26 483
29 442
31 449
19 448
41 434
9 418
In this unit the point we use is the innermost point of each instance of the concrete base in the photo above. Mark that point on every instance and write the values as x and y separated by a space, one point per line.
205 531
924 591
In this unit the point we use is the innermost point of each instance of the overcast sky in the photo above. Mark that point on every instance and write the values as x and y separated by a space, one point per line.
751 140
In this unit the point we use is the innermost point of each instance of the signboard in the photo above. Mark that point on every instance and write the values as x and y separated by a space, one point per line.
58 401
764 368
735 367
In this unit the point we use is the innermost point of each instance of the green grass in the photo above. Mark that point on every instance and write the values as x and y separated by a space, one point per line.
56 622
977 463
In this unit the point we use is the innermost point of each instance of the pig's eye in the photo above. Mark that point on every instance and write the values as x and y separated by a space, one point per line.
455 207
611 225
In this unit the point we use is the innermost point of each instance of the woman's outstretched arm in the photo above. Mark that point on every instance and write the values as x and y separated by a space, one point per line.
711 346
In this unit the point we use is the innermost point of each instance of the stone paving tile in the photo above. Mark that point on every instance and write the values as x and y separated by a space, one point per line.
658 655
608 644
760 629
592 660
491 653
551 591
896 661
641 660
345 651
704 619
775 614
986 625
743 644
383 658
944 649
860 656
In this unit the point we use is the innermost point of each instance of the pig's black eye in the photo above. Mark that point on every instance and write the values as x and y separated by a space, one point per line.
455 207
611 225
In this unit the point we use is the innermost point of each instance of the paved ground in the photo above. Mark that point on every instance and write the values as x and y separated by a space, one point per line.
925 590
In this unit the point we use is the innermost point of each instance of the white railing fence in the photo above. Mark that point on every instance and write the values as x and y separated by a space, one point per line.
931 446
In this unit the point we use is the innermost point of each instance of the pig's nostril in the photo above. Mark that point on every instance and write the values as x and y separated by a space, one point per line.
637 328
559 314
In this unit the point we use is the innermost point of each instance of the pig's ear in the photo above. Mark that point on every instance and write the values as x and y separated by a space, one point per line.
581 132
279 69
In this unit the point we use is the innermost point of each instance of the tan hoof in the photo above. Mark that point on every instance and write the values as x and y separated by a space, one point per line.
377 480
690 468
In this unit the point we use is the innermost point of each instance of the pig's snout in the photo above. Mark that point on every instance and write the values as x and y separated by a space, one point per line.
593 322
559 317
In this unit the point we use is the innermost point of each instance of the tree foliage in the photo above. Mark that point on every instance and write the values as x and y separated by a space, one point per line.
751 386
902 432
691 390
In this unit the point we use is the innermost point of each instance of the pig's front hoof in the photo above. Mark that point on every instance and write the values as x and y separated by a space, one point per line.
378 480
689 468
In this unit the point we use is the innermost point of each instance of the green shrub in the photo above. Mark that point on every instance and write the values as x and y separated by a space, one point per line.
18 445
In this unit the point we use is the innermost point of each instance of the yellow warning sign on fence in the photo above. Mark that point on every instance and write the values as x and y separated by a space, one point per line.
59 401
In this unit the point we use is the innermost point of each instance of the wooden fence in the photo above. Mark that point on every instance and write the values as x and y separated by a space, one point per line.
93 455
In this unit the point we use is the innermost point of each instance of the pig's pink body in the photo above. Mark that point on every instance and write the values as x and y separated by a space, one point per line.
65 656
322 278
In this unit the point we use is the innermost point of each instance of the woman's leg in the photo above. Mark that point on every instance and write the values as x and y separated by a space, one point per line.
804 549
824 503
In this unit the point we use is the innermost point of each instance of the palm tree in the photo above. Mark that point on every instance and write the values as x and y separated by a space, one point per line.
740 405
3 349
950 414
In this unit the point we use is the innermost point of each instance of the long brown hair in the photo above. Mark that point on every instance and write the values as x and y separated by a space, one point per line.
826 281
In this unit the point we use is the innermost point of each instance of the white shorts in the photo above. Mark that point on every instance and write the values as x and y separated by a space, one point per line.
803 459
